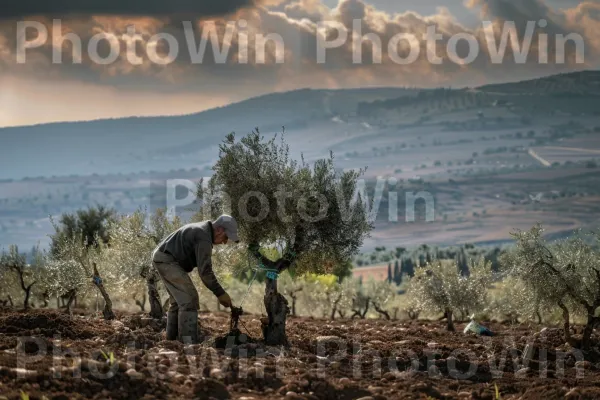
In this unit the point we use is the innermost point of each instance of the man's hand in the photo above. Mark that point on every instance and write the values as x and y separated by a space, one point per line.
225 300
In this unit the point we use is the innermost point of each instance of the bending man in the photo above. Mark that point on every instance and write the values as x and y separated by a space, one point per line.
176 256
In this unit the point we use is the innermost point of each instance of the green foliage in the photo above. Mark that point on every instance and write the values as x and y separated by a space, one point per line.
17 277
91 222
563 274
381 294
278 201
134 237
70 263
511 300
440 286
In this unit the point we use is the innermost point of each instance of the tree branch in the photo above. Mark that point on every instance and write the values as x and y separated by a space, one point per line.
381 311
571 290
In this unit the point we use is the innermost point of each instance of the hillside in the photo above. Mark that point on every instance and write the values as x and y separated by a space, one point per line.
491 159
161 143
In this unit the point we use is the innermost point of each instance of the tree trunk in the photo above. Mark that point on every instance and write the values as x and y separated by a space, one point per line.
277 310
10 300
107 312
156 309
381 311
25 288
46 299
294 298
539 316
589 328
273 326
364 314
141 304
450 326
336 302
72 293
413 314
566 323
27 295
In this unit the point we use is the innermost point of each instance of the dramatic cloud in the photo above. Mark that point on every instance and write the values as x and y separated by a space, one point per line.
64 8
278 45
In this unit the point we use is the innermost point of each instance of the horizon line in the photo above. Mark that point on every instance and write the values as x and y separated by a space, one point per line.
254 97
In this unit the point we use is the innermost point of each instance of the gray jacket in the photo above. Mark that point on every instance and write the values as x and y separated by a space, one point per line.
191 245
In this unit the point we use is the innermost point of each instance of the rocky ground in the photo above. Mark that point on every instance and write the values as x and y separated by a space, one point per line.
48 354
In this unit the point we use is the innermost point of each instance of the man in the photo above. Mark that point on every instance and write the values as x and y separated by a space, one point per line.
176 256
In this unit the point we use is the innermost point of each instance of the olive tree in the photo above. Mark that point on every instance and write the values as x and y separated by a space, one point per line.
69 269
76 261
306 211
381 294
372 295
90 224
565 273
8 285
15 271
133 238
294 288
320 295
338 295
440 287
510 299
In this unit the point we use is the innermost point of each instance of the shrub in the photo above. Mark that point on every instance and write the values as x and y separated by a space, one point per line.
511 300
440 287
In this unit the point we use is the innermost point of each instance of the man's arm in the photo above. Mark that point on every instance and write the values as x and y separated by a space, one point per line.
204 260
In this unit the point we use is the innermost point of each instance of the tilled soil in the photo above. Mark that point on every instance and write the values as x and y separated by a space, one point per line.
48 353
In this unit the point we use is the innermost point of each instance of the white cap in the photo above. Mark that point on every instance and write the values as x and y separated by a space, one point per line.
230 225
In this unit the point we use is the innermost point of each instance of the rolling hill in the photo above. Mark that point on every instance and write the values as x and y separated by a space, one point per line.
161 143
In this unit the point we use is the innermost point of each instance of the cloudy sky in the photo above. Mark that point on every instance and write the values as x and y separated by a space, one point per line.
134 57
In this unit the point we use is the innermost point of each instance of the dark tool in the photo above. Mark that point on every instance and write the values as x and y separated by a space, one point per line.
236 313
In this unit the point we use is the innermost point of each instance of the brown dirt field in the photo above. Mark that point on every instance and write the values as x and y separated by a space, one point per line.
46 353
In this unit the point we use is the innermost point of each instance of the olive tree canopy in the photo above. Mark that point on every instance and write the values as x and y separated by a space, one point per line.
312 213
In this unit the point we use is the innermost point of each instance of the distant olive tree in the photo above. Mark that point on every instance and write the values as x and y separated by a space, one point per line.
133 238
319 295
565 274
15 271
293 289
89 224
380 294
70 269
440 287
512 300
305 211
